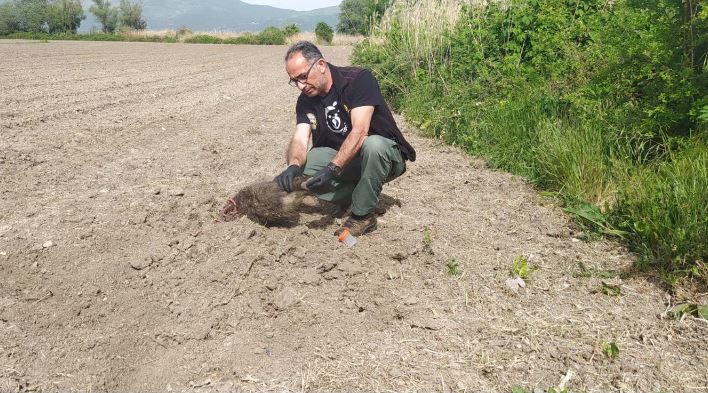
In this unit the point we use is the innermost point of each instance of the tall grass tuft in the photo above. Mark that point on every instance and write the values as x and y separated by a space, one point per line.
419 30
665 207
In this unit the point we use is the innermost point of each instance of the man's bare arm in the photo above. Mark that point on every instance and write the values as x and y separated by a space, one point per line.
361 121
297 151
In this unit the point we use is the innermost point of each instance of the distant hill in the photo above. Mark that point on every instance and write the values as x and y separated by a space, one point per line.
220 15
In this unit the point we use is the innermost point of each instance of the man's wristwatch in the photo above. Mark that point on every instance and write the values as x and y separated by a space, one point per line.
334 168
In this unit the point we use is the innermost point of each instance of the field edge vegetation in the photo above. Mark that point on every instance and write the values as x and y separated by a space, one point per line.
602 103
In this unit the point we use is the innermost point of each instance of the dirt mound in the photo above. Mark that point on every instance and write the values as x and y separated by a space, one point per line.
115 275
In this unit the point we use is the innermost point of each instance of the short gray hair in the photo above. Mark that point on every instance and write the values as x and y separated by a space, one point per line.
309 51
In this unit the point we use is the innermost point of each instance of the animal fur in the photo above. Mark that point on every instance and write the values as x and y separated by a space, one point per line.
266 204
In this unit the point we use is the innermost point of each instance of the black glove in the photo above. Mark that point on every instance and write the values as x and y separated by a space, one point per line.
285 179
323 178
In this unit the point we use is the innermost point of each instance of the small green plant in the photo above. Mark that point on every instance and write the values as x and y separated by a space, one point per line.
324 33
427 237
610 350
609 289
428 241
689 309
591 217
521 268
453 268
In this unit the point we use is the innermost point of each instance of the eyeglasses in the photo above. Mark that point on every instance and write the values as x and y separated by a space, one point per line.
302 79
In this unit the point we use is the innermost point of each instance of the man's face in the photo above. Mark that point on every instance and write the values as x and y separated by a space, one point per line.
308 77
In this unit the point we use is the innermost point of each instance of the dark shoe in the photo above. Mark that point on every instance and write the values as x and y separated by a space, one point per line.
358 227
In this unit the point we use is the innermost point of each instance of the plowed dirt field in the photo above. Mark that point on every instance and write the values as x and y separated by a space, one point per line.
116 276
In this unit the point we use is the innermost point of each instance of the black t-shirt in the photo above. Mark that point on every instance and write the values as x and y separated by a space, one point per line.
329 117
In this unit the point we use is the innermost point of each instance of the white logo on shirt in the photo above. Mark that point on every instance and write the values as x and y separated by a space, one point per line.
334 121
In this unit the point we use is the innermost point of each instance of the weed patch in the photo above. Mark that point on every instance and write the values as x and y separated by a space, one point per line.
610 349
521 268
609 289
453 268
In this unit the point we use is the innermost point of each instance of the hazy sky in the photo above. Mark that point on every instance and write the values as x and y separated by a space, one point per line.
300 5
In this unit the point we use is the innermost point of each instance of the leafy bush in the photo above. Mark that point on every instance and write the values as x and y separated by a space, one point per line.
324 33
291 29
246 39
271 36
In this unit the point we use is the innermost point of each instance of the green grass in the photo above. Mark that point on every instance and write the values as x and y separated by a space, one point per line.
203 39
665 208
614 124
453 268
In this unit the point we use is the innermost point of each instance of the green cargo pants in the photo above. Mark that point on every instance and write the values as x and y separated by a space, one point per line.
378 161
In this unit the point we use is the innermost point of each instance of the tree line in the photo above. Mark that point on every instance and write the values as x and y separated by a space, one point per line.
65 16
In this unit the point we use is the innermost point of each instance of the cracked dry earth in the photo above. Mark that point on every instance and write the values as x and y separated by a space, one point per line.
116 277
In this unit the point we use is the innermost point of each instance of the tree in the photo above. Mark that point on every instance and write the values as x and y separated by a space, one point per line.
41 16
65 16
291 29
324 33
131 15
8 18
357 16
106 14
353 17
31 15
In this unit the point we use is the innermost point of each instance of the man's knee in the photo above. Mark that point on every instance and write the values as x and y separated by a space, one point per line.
318 158
376 145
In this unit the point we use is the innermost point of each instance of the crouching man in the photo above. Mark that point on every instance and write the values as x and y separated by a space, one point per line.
356 144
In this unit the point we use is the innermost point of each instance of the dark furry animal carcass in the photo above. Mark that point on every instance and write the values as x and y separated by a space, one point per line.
266 204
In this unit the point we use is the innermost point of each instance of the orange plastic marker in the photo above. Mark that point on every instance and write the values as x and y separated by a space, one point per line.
347 238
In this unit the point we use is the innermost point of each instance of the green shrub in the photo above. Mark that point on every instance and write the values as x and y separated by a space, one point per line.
271 36
245 39
291 29
100 37
203 39
324 33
